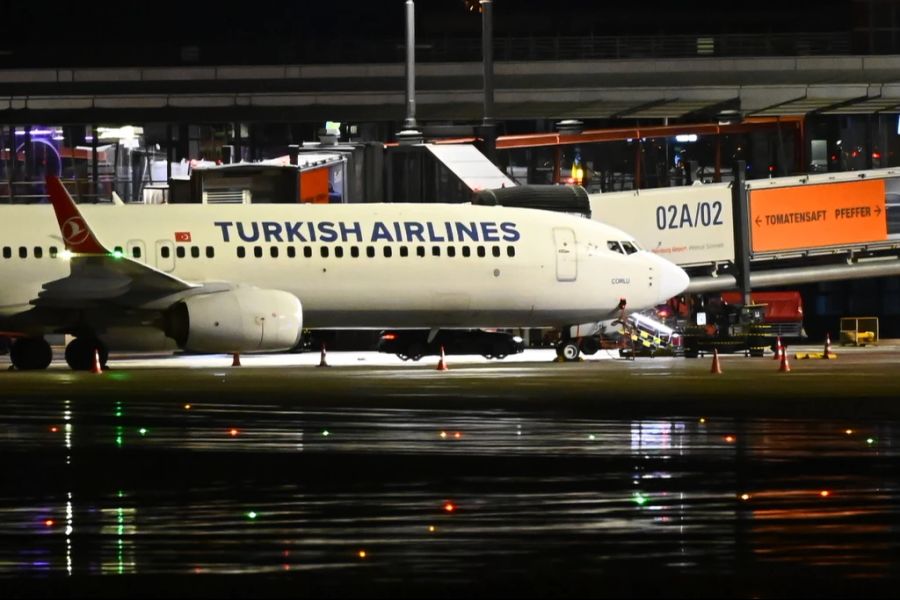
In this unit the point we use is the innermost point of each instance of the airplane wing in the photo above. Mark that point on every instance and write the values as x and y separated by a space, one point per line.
98 274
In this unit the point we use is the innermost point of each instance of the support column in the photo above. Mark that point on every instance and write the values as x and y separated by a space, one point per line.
95 177
741 224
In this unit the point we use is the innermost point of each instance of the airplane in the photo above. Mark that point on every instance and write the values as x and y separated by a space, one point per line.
249 278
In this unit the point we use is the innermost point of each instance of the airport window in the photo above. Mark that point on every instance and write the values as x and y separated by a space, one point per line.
466 251
307 251
291 252
23 252
435 250
480 250
257 251
195 251
451 251
54 251
354 251
324 251
510 251
420 251
180 251
7 252
136 251
273 251
388 252
370 251
404 251
210 252
241 252
38 252
495 250
165 252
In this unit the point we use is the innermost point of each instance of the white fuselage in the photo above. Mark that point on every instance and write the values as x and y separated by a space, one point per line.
508 268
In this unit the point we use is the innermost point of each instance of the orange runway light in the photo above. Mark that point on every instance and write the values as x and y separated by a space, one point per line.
187 407
443 435
233 432
824 493
729 438
449 507
362 554
432 528
457 435
49 522
745 497
54 429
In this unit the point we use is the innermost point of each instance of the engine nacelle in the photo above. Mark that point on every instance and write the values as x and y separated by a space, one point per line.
240 320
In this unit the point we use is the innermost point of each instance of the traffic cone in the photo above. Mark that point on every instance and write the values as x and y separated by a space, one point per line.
779 349
828 353
235 359
322 361
716 368
442 366
95 367
784 367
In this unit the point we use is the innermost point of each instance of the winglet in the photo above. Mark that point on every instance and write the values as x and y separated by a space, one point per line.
76 233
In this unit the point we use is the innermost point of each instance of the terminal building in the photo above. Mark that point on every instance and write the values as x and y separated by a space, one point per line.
617 103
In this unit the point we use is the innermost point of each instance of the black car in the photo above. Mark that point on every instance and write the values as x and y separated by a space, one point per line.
413 344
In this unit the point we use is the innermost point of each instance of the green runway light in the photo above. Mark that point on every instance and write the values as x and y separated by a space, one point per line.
326 433
639 499
119 441
251 515
870 441
142 431
592 437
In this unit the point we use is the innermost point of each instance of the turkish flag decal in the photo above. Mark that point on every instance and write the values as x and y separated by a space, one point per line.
182 236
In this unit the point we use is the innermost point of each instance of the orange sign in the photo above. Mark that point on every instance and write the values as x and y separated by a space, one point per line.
817 216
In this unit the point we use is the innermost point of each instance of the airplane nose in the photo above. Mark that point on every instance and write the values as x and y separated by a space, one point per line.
673 280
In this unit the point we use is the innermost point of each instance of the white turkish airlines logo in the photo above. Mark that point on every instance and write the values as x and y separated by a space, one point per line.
75 231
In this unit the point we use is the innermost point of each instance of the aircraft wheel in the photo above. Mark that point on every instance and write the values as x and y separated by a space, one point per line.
402 357
31 354
568 351
80 353
416 351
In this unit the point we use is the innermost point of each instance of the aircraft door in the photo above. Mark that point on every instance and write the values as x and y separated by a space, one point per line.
566 254
135 250
165 255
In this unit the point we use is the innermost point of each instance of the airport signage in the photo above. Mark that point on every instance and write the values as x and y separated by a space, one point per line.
690 225
811 216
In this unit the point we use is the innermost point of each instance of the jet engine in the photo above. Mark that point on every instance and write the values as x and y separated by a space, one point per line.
240 320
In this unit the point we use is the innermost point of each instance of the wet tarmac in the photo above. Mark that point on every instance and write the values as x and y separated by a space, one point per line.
375 478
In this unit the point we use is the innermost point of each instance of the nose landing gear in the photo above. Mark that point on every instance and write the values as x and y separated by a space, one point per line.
568 350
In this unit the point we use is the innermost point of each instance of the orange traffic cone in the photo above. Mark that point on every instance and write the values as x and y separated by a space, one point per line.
779 349
442 366
235 359
784 366
322 361
716 368
95 367
827 354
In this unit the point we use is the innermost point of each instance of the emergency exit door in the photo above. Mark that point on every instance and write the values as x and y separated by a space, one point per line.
566 254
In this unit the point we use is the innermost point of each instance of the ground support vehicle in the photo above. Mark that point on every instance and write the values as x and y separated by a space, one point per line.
742 332
413 344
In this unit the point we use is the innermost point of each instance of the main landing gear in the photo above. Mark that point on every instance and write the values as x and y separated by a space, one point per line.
80 353
30 354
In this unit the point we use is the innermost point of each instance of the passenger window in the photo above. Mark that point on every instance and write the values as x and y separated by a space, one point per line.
195 251
339 252
510 251
435 250
165 252
451 251
354 251
323 251
135 252
481 252
54 251
179 251
420 251
495 250
388 252
23 252
629 249
307 252
467 252
257 251
7 252
210 252
370 251
273 251
291 252
38 252
241 252
404 251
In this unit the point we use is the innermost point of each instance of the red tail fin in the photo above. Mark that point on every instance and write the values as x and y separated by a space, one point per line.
76 233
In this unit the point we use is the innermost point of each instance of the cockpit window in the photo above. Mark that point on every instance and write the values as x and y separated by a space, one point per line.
615 247
629 248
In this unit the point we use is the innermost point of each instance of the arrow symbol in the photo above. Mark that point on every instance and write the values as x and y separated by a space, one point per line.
877 210
757 221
